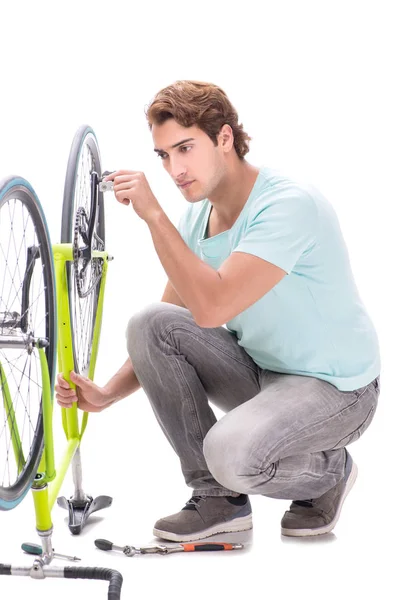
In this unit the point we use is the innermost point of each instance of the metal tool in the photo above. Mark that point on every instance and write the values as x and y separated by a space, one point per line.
106 186
161 549
36 549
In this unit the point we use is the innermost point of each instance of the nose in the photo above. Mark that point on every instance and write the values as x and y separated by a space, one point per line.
176 169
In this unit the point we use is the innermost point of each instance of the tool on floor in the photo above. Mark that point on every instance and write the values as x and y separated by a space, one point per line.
161 549
36 549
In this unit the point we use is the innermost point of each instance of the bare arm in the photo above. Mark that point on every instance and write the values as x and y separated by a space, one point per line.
122 384
93 398
171 296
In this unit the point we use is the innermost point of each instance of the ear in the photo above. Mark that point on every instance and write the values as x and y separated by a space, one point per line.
225 137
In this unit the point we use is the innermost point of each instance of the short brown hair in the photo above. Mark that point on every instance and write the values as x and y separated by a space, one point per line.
198 103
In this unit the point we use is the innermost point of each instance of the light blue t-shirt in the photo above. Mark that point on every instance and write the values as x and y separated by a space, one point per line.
313 321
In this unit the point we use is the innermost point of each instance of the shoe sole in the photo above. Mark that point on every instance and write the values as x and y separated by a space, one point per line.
326 528
240 524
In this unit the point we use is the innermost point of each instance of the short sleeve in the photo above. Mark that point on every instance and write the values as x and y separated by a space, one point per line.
281 228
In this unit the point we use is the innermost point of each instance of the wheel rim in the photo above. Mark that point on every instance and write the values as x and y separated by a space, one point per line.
83 308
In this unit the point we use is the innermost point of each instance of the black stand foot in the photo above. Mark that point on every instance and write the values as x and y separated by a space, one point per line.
79 511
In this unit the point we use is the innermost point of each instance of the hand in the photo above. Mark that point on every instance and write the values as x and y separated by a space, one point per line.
132 187
90 397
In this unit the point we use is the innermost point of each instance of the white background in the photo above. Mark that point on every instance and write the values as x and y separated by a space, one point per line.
316 86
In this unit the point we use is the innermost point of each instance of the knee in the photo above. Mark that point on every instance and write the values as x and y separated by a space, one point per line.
228 458
149 322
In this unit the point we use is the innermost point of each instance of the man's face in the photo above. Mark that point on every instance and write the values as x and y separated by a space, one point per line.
190 157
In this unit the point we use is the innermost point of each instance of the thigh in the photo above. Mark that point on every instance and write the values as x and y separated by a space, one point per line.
294 415
312 415
227 373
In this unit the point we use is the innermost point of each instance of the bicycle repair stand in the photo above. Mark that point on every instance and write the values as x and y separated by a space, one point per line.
80 506
40 568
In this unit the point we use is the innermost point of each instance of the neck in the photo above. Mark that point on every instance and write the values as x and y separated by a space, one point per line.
233 191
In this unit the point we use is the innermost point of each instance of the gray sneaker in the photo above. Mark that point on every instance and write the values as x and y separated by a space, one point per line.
203 516
320 515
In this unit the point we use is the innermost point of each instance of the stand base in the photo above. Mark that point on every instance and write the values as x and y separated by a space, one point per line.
79 512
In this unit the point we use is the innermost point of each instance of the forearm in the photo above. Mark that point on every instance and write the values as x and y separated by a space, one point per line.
122 384
194 280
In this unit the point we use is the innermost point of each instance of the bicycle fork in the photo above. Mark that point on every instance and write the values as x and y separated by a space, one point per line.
80 505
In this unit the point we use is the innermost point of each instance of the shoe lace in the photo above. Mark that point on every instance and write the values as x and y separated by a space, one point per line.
195 500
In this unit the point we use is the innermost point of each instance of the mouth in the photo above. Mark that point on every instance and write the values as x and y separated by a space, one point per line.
184 186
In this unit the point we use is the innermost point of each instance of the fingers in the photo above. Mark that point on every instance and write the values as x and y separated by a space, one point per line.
124 179
121 186
76 377
66 401
83 382
121 199
64 390
62 382
65 395
124 185
120 174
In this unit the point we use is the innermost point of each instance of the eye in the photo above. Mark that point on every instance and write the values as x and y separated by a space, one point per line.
185 149
162 155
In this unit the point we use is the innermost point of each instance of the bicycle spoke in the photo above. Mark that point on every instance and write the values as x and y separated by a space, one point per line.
21 381
21 284
15 368
18 257
25 413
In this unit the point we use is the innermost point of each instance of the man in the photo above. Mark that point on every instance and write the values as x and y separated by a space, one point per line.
296 369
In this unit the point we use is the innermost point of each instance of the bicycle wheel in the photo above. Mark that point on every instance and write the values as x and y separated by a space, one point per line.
27 315
83 274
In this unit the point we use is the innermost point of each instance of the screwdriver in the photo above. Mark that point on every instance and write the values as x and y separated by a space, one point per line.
161 549
36 549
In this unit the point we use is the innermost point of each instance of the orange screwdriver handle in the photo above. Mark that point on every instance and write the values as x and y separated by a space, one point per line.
206 547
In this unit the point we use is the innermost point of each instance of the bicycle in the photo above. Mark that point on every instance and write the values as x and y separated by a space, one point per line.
51 303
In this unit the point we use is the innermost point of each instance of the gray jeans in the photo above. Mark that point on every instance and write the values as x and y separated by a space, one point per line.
283 436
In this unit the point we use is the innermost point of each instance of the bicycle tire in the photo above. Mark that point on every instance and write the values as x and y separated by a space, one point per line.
83 145
18 191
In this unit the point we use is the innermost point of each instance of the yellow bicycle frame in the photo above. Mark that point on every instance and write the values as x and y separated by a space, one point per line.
49 482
